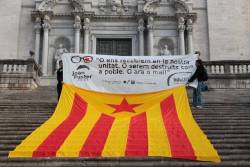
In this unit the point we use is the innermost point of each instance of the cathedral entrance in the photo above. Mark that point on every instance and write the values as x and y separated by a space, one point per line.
120 47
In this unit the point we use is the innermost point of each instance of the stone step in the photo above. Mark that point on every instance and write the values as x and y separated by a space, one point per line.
206 131
220 151
216 145
202 124
16 141
32 128
211 137
24 117
160 162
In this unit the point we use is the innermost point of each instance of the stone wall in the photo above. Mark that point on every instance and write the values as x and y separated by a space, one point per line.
229 33
26 39
10 11
201 39
221 32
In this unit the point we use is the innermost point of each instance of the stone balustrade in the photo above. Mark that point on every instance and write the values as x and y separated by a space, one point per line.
19 74
228 74
24 74
228 67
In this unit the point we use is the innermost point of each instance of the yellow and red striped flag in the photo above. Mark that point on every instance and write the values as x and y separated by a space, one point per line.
92 124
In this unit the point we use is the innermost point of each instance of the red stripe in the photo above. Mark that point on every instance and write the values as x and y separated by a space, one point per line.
53 142
137 143
97 138
178 140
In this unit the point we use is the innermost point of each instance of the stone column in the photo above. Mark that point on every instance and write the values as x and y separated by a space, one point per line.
141 29
77 27
181 29
38 36
86 28
46 27
190 36
150 27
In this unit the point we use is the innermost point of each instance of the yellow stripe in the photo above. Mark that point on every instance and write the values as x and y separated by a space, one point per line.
158 144
74 142
30 144
116 142
204 150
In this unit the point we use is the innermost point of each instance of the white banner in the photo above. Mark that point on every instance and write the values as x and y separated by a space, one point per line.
127 74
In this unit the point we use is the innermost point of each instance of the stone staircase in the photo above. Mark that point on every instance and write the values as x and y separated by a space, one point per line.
225 119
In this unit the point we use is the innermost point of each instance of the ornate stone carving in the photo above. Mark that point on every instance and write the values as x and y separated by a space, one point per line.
150 25
77 24
166 46
118 6
190 25
151 6
165 51
180 6
77 5
86 26
181 24
38 25
46 22
47 5
141 27
114 6
58 56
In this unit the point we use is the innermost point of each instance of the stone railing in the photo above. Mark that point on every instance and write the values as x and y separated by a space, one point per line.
228 74
19 74
228 67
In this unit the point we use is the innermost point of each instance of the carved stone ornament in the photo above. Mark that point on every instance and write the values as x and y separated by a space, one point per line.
150 25
77 5
151 6
118 6
48 5
141 27
86 26
77 24
180 6
190 25
46 22
181 23
38 25
115 6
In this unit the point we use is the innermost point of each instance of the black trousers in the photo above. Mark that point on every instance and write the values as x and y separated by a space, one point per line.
59 90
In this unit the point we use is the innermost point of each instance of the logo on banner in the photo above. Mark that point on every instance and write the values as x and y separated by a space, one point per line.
80 73
79 59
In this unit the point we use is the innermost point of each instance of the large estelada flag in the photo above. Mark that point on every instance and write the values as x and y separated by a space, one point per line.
92 124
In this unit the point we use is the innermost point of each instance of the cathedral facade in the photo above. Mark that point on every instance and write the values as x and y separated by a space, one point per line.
219 29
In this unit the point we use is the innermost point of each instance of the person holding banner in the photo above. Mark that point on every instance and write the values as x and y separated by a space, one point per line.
59 79
201 75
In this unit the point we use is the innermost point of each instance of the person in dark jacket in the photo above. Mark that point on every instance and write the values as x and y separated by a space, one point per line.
59 79
199 75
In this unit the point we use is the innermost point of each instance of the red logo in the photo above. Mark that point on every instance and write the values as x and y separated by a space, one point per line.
87 59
